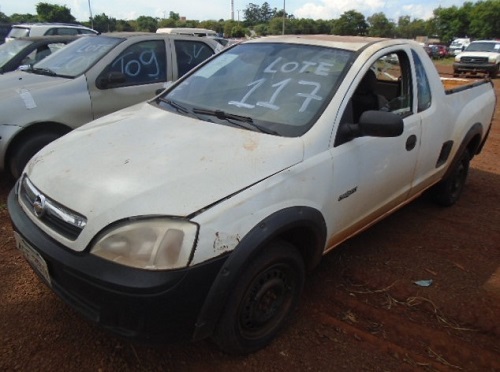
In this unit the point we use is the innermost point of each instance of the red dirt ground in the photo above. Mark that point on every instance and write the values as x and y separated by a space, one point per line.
360 310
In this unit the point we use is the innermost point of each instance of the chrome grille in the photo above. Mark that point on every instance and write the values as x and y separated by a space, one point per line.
60 219
478 60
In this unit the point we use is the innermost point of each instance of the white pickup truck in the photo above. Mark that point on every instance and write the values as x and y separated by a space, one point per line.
90 78
480 57
198 213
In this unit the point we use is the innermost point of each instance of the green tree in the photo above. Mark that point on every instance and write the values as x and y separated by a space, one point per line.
275 27
4 18
54 13
213 25
123 26
380 26
146 23
485 20
262 29
266 13
174 16
252 15
351 23
103 23
447 22
229 26
169 22
23 18
403 28
238 31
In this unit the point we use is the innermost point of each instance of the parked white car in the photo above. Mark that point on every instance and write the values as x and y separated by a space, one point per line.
91 77
481 56
458 45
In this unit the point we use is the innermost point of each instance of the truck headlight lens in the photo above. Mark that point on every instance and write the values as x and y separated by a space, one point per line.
155 244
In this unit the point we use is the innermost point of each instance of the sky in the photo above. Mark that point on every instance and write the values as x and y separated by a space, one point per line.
202 10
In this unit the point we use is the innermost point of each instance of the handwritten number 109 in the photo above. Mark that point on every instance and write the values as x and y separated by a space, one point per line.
133 67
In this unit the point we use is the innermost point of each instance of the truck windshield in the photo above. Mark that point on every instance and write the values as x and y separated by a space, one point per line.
76 58
484 47
276 88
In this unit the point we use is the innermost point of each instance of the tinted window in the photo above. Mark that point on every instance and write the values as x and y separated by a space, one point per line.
141 63
424 90
190 54
66 31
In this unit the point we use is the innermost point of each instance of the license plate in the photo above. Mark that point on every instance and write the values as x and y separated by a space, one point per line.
33 257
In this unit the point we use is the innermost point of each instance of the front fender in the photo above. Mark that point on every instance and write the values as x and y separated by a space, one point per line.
282 224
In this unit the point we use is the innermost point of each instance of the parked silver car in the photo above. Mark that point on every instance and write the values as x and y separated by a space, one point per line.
89 78
44 29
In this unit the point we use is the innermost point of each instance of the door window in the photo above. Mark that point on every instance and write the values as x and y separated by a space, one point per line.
385 86
139 64
190 54
423 88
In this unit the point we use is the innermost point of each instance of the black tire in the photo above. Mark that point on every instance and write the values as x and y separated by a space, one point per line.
494 73
25 150
448 191
265 295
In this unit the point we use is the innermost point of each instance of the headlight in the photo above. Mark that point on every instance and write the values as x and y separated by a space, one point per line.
155 244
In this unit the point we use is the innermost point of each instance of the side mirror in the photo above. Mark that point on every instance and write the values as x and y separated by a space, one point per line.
110 79
380 124
372 124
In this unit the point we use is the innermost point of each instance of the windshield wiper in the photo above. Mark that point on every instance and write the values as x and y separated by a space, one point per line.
219 114
41 71
174 104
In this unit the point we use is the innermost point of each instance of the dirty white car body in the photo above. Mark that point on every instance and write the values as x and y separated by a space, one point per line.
197 214
96 76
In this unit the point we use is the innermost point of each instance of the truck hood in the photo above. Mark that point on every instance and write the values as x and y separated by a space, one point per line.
146 161
479 54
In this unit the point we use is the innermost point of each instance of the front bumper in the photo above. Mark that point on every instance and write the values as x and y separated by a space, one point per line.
474 67
134 303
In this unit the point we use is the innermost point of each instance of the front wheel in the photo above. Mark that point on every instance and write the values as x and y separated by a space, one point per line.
448 191
26 149
265 295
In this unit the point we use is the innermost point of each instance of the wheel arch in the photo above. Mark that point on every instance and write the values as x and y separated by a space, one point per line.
42 127
470 142
303 227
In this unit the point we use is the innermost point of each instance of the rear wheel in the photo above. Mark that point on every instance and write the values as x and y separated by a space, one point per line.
26 149
265 295
448 191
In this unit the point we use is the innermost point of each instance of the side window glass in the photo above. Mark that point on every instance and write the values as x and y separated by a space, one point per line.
385 86
423 89
190 54
139 64
67 31
394 82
